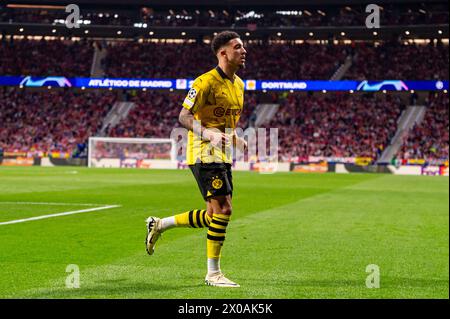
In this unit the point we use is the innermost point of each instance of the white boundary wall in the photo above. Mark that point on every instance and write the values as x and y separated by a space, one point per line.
131 162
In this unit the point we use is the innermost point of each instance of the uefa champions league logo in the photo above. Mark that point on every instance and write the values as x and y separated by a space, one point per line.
59 80
377 86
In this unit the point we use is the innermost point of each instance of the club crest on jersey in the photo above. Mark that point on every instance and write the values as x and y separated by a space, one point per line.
192 93
217 183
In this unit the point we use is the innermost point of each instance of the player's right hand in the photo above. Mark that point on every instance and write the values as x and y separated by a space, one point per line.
216 137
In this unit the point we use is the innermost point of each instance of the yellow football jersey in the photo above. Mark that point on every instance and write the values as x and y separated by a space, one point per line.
217 102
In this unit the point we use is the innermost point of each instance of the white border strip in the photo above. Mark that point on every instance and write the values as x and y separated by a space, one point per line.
53 204
57 215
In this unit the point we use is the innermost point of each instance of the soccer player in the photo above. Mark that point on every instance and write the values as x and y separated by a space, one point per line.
210 112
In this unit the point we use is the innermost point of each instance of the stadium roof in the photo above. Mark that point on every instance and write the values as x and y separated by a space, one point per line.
211 3
197 32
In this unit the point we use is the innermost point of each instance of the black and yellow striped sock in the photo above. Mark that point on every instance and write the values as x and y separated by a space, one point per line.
216 235
197 218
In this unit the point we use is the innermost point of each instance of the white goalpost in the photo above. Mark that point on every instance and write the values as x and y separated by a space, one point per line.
132 152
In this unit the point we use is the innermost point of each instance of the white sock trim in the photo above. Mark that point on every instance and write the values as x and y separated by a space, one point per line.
213 266
167 223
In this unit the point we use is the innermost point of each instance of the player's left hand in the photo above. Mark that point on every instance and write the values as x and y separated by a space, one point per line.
241 144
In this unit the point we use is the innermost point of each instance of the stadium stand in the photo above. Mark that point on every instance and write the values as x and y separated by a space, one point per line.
276 61
340 125
156 114
48 58
335 125
45 121
328 125
429 139
394 60
306 61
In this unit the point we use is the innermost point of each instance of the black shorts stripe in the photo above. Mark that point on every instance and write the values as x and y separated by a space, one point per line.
218 222
215 238
216 230
191 219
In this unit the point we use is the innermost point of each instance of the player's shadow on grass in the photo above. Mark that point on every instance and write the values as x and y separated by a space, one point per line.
114 290
390 282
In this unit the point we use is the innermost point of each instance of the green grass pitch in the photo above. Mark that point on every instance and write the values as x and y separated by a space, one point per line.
291 235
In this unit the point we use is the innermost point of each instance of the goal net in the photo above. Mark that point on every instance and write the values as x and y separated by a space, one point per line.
132 152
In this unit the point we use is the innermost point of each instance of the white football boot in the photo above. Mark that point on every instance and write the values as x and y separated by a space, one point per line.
219 280
153 233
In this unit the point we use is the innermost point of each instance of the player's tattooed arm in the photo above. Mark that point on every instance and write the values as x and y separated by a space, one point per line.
186 118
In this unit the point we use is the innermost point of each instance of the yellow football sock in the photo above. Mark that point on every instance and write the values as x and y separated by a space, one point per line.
216 235
195 218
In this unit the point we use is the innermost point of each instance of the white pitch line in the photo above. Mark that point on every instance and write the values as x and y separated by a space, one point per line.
58 214
52 204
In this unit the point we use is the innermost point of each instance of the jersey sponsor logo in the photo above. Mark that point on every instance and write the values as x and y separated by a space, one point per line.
220 111
192 93
217 183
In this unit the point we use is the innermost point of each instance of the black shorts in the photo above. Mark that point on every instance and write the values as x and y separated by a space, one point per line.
213 179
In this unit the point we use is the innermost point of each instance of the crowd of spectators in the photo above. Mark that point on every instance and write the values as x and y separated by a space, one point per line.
276 61
429 140
157 60
46 58
155 114
338 125
394 60
165 60
335 125
349 15
306 61
50 120
329 125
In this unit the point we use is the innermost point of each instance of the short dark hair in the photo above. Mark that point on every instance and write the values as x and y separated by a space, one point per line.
221 39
